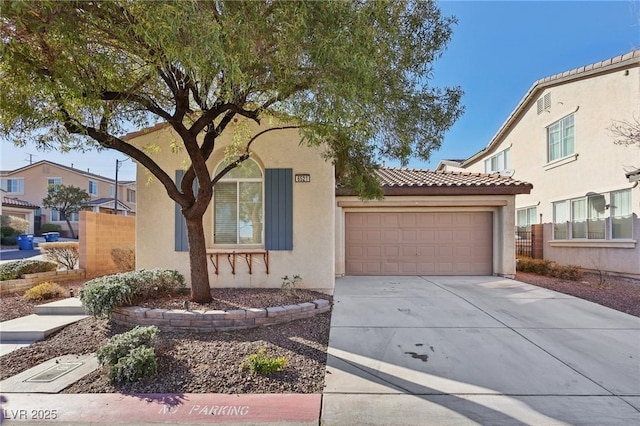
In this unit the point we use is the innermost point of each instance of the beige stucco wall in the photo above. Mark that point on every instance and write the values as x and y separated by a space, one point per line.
502 208
35 187
598 166
312 256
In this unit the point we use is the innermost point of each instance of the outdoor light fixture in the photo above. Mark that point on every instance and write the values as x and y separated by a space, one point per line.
71 292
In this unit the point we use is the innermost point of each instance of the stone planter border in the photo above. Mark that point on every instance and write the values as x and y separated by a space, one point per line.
206 321
29 280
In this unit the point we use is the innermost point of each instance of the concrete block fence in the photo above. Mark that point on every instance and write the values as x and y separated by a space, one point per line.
29 280
206 321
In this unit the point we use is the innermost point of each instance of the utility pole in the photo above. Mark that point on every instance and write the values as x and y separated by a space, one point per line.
115 198
30 158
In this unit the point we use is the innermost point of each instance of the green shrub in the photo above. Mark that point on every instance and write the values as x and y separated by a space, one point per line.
129 356
548 268
65 254
263 364
14 270
19 224
101 295
9 241
7 231
124 258
50 227
121 344
44 291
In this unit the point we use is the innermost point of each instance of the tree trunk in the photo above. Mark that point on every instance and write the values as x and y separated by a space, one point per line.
73 235
200 289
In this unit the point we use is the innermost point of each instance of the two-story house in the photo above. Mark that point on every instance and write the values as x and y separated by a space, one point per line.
30 183
559 139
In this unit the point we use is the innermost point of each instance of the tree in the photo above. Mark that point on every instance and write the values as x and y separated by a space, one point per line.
352 76
67 200
626 132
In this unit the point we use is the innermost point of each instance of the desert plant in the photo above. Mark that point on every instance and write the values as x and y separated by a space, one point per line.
44 291
548 268
7 231
289 285
50 227
9 241
65 254
17 268
129 356
101 295
264 364
19 225
124 258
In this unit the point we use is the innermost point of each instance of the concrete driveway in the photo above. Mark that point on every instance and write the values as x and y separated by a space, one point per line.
477 350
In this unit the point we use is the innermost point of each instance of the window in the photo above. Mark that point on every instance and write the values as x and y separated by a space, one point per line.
498 162
590 217
13 186
54 181
526 217
560 139
238 205
112 190
621 216
131 196
57 217
93 187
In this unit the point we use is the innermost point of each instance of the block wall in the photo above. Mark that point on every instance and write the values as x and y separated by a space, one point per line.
99 233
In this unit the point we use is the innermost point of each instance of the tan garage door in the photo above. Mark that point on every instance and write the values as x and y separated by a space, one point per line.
420 243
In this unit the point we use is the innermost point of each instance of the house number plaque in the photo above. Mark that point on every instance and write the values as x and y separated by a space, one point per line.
303 178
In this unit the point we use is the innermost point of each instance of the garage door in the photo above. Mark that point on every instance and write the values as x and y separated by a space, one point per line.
420 243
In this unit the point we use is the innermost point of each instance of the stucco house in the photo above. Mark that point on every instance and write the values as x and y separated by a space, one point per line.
585 188
13 206
30 183
281 214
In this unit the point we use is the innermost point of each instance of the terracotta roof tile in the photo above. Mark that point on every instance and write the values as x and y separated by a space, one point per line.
404 177
15 202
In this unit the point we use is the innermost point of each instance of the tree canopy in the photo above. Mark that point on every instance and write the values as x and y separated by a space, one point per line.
67 200
353 76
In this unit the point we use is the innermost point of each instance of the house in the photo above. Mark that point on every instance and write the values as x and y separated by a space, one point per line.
13 206
558 138
30 184
281 214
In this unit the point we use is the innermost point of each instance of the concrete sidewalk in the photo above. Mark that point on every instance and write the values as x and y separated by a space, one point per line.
477 350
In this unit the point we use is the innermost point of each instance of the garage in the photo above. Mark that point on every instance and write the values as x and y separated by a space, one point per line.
429 223
419 243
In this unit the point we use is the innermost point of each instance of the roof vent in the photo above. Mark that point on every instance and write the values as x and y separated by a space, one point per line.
544 103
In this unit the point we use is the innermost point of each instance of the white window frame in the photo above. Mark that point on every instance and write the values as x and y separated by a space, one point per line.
498 162
93 183
131 195
55 216
238 181
531 215
564 149
112 190
13 186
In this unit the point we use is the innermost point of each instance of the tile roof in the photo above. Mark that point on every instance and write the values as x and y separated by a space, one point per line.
15 202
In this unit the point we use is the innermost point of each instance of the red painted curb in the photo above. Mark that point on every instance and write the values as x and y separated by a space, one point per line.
18 408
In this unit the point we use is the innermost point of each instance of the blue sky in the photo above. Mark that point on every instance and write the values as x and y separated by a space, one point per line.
498 50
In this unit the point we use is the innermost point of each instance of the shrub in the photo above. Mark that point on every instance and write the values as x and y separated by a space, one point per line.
44 291
19 225
14 270
7 231
289 285
124 258
548 268
50 227
129 355
121 344
263 364
63 253
9 241
101 295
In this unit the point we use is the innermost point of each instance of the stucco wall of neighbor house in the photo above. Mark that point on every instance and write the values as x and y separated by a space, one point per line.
501 206
35 187
598 165
99 233
312 256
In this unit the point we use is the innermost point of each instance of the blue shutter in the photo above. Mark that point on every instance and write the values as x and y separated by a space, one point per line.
180 229
278 209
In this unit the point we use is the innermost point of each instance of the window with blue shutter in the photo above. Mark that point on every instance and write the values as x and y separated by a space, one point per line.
278 209
180 228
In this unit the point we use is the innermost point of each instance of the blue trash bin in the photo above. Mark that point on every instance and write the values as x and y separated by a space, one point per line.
25 241
51 237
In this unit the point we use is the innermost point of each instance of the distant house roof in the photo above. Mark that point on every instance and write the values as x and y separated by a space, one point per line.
630 59
634 176
71 169
107 203
144 131
405 181
15 202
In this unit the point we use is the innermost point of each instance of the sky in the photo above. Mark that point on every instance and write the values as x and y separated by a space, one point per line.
497 51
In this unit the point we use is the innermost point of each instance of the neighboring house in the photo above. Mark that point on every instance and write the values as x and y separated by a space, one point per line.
30 183
558 139
281 214
12 206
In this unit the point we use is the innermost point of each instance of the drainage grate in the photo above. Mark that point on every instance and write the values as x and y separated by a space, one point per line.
55 372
